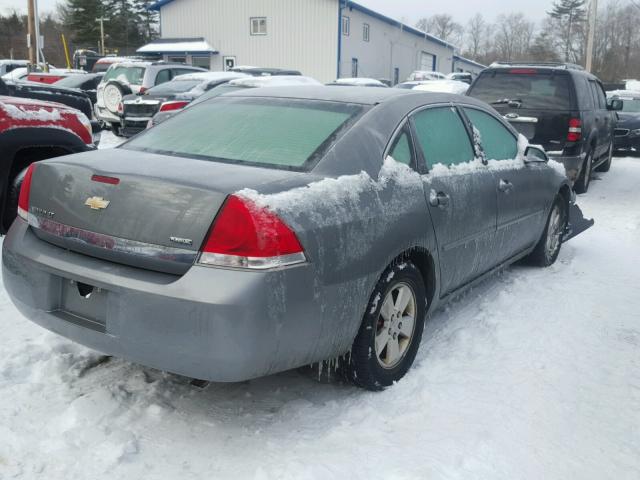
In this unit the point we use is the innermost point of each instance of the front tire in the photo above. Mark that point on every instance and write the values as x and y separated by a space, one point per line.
548 247
391 330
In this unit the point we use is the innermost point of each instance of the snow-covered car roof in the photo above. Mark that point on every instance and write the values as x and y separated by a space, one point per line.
6 61
358 82
210 76
16 74
274 81
629 94
443 86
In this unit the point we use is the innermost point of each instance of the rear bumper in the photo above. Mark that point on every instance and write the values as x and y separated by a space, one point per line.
572 165
106 116
134 127
214 324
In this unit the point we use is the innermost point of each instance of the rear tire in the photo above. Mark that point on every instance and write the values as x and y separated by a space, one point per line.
606 166
391 330
13 195
548 247
116 129
584 179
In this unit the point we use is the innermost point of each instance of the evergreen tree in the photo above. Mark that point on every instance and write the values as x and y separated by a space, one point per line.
79 19
571 16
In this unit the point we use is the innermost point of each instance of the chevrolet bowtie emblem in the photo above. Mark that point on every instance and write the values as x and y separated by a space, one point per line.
97 203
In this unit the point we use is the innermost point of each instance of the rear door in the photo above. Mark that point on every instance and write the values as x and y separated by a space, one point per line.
538 102
460 193
521 189
603 118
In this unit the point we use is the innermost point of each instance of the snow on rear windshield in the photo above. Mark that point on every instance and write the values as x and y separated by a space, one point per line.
538 91
279 133
125 74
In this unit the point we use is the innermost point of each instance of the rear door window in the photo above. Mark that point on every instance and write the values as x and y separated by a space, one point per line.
442 136
163 76
497 141
529 87
585 97
598 95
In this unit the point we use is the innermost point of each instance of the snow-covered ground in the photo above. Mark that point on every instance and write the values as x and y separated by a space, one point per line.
533 375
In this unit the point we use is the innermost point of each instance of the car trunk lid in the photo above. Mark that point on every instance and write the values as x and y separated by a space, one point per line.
119 206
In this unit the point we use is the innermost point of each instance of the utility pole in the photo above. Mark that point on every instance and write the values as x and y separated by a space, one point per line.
593 13
31 35
101 22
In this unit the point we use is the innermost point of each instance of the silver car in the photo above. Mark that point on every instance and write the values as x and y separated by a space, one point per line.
273 228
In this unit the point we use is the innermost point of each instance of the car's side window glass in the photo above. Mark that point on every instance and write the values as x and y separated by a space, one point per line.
602 98
442 136
596 96
401 150
584 94
497 141
163 76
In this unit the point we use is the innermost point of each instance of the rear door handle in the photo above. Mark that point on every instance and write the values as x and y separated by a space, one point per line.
505 186
438 199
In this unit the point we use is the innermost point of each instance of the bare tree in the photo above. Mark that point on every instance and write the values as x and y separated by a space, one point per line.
442 26
476 35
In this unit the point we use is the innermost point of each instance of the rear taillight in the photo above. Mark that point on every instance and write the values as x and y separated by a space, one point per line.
245 235
173 105
575 130
142 90
25 191
120 107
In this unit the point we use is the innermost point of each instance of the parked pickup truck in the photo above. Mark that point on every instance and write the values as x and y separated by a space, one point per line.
33 130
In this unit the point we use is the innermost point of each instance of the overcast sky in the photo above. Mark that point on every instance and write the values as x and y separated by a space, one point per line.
409 10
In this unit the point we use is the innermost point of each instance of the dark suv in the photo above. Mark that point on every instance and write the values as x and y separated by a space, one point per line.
559 106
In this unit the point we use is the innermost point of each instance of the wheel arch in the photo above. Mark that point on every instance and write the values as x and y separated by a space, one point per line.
21 147
424 261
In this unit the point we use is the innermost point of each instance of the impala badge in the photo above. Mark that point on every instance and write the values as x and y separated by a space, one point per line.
97 203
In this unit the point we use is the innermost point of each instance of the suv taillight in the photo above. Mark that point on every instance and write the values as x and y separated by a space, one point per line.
25 192
173 105
245 235
575 130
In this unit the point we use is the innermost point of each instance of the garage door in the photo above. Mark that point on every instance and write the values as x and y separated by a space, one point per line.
427 61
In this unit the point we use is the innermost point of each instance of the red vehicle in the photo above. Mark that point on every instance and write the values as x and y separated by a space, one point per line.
33 130
52 76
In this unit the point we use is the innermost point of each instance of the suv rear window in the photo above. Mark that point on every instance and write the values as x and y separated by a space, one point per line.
128 75
277 133
541 91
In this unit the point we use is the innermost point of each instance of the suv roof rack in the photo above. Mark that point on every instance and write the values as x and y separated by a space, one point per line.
564 65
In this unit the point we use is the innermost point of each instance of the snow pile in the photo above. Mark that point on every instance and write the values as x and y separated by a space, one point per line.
40 114
443 86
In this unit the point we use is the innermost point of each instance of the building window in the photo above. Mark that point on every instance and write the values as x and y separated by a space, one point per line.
365 32
346 26
354 68
259 26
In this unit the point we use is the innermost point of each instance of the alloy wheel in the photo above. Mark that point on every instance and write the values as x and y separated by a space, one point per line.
554 232
396 325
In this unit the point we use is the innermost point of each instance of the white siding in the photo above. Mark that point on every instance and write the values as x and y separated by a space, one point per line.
388 48
301 34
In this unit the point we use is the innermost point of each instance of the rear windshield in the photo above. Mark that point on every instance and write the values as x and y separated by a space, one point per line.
277 133
531 90
73 81
127 75
177 86
216 92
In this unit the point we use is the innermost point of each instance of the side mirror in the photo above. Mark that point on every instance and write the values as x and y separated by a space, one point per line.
535 155
616 105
